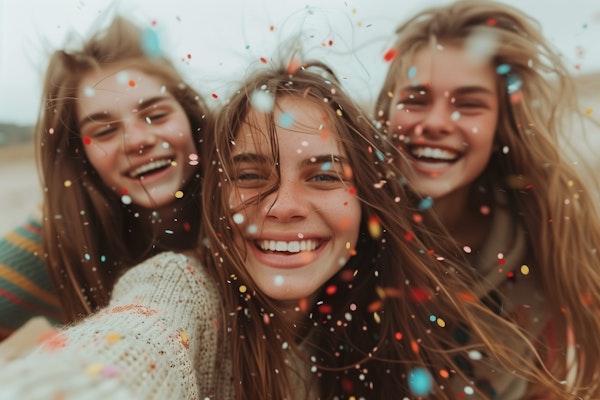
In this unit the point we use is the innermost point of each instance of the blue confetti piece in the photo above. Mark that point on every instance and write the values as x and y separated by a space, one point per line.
420 382
503 69
513 83
426 203
326 166
286 120
412 72
151 43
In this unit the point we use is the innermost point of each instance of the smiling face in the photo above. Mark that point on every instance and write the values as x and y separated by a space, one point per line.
135 134
445 114
299 236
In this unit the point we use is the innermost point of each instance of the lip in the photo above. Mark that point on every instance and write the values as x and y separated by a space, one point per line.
285 259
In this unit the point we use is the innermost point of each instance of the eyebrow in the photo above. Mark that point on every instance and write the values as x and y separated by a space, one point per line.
103 116
459 90
321 159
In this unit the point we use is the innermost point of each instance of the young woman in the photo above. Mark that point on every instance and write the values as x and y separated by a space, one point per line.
307 235
117 143
476 100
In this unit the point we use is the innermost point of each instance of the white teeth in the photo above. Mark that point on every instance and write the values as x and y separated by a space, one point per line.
295 246
433 153
149 167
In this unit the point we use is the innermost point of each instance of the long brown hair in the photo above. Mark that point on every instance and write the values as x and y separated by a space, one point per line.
550 198
90 236
342 329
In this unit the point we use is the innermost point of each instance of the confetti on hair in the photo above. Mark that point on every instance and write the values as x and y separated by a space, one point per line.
481 45
513 83
503 69
412 72
68 183
420 382
150 43
425 203
286 119
419 294
293 67
262 101
374 227
390 55
126 199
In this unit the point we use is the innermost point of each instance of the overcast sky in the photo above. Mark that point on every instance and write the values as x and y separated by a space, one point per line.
214 41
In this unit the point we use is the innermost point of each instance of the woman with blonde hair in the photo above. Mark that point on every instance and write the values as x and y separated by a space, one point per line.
477 101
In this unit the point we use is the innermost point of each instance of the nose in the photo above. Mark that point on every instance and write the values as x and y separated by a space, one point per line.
287 203
138 136
439 119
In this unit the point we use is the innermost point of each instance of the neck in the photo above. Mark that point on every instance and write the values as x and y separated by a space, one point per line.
461 214
173 227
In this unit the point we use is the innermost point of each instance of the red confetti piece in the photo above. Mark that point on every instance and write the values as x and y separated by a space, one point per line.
331 290
419 295
325 309
492 22
398 336
352 190
214 96
87 140
389 55
263 60
409 236
124 191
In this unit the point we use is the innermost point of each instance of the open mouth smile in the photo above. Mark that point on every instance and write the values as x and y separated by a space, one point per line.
150 168
294 246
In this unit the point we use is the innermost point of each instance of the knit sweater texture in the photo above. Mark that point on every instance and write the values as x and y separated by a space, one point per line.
26 290
161 337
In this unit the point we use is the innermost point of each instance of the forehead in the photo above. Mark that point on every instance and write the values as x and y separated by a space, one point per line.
447 68
297 123
117 84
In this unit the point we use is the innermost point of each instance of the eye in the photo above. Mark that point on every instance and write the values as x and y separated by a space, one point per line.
102 131
156 117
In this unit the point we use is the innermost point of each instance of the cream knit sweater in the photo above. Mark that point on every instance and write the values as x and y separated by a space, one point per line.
161 337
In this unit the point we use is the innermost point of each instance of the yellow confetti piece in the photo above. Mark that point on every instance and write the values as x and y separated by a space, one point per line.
588 111
68 183
179 194
93 369
113 338
441 323
374 227
524 269
184 339
243 289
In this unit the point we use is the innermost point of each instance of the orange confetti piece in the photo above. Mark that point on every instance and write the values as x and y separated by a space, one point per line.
131 83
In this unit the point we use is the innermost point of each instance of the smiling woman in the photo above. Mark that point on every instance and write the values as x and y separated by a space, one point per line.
118 142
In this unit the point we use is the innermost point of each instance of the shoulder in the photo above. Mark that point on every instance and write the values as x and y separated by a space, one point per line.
169 280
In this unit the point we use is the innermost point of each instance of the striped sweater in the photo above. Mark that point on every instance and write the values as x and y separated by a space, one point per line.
26 289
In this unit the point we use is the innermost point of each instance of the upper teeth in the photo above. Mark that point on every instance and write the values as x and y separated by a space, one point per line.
295 246
436 153
149 167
